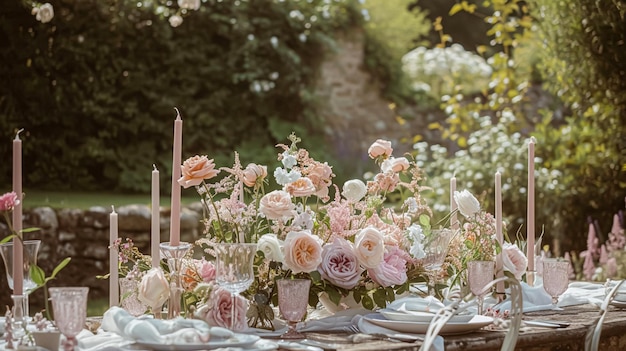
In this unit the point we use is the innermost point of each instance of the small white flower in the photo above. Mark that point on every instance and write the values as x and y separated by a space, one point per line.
284 177
416 235
288 160
468 204
189 4
175 21
45 13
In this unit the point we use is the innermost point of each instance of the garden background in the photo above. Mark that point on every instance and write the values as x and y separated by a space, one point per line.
461 85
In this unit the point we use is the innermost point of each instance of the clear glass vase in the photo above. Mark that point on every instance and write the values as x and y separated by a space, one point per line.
174 256
31 250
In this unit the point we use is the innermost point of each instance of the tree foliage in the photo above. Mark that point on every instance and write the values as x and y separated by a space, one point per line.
95 88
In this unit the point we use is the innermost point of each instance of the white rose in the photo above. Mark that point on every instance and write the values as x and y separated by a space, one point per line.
354 190
468 204
514 260
395 165
189 4
175 21
154 289
45 13
270 245
370 247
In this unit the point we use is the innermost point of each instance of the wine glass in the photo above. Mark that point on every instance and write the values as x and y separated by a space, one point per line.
435 249
479 274
234 270
293 297
70 312
31 249
555 278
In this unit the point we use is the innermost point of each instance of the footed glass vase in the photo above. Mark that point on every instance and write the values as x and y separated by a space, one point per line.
174 256
31 250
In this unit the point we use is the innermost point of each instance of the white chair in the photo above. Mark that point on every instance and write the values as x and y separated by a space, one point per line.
592 339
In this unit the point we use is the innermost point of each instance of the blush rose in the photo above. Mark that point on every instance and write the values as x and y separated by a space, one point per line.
277 204
340 266
370 247
195 169
303 251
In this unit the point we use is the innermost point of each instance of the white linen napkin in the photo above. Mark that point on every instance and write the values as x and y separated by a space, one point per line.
428 304
367 327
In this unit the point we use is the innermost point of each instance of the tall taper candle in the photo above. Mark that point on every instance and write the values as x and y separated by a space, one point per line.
499 236
114 292
454 220
176 164
155 239
18 248
530 220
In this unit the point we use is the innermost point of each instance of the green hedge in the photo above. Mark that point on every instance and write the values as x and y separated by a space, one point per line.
95 89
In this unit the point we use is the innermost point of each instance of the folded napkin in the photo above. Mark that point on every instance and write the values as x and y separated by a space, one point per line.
149 330
367 327
578 293
428 304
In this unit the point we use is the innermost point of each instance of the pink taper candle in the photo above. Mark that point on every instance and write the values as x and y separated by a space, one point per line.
454 220
499 235
114 292
18 248
155 238
176 164
530 221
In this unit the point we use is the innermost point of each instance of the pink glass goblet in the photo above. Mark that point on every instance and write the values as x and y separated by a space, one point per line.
70 312
293 297
479 274
555 278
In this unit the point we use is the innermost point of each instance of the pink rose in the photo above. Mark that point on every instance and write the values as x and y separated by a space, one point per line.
206 270
514 260
340 265
277 204
394 164
302 187
380 148
219 310
8 201
392 270
195 169
253 174
370 247
321 175
386 181
303 251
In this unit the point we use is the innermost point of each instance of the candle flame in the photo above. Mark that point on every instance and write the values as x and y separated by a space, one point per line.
17 135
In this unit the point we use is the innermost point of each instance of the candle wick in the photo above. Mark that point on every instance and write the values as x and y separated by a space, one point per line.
177 112
113 208
17 135
153 165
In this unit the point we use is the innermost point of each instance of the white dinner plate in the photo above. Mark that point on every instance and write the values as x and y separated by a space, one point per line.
239 340
422 317
618 304
450 328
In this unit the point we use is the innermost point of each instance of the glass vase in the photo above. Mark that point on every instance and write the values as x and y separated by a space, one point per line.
31 250
174 256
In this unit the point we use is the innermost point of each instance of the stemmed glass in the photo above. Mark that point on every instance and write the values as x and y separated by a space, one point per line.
70 312
234 264
479 274
31 249
293 297
555 278
435 248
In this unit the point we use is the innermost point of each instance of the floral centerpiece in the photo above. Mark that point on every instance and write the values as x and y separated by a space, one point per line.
354 243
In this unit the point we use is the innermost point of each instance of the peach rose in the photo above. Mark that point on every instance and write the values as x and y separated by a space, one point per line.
195 169
380 148
253 174
321 175
395 164
277 205
370 247
219 313
300 188
514 260
303 252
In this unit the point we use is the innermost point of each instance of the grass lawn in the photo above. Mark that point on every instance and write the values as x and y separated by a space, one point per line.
85 200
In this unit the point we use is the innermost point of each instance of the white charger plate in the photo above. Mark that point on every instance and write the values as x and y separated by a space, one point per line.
238 340
423 317
450 328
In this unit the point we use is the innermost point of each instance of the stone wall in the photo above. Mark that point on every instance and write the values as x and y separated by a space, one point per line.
83 235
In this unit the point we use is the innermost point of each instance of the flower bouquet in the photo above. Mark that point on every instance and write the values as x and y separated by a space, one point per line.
364 241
